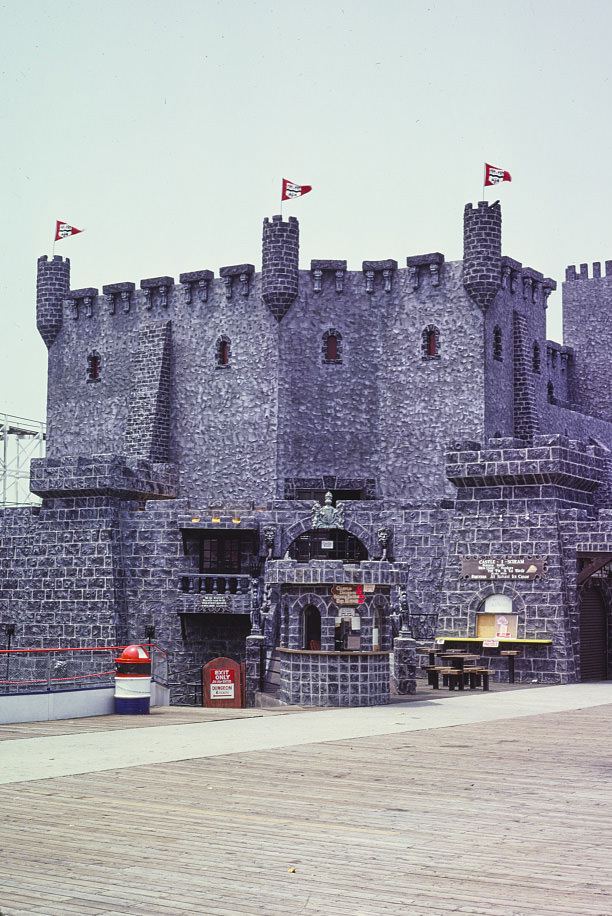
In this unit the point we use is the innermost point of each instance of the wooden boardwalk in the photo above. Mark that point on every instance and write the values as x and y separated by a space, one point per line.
509 818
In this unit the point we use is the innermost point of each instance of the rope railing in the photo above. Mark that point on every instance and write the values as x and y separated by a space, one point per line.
62 667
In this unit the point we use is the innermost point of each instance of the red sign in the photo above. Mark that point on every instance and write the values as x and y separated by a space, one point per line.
221 684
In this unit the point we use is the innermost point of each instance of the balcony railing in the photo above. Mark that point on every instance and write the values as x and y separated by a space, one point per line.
213 584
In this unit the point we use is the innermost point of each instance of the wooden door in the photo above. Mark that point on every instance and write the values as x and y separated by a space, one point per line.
593 636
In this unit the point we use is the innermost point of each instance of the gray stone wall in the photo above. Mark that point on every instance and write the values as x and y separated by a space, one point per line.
335 679
586 328
222 418
426 400
60 575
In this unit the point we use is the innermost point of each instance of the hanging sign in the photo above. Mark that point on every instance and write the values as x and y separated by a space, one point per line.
351 594
518 569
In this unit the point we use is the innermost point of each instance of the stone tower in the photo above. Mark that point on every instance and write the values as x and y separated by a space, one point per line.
279 270
482 252
53 285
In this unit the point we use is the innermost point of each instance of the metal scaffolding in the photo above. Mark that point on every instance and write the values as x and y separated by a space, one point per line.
20 441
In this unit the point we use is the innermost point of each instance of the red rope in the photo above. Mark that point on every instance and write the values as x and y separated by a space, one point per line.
54 680
149 645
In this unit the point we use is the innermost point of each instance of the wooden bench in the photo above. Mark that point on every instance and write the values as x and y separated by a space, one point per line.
478 674
454 677
451 677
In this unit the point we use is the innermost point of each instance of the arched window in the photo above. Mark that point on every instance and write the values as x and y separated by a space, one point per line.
93 367
431 342
497 343
496 618
332 346
327 544
311 628
223 351
536 358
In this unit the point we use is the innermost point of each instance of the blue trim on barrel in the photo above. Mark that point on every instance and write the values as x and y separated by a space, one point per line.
132 706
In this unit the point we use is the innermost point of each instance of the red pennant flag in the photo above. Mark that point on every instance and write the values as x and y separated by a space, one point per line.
494 175
63 230
291 190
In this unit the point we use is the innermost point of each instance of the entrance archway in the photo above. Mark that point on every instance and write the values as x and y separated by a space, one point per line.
593 635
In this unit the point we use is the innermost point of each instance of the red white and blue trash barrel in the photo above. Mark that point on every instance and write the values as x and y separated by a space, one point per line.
133 682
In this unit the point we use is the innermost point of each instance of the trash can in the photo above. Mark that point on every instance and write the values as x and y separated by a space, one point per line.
133 682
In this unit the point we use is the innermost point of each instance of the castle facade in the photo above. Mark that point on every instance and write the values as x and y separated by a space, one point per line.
298 467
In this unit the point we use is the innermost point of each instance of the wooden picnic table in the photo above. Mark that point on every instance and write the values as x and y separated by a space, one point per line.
455 672
458 659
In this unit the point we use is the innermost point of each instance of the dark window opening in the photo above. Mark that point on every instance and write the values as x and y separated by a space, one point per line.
327 544
551 392
331 350
536 358
332 346
93 367
497 344
220 554
223 351
312 493
312 628
431 342
224 552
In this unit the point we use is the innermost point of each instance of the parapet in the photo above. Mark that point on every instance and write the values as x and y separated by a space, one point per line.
330 268
570 272
241 272
525 281
551 459
431 263
103 475
121 291
384 269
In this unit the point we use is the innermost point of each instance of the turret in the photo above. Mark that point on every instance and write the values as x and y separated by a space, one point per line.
53 285
279 271
482 252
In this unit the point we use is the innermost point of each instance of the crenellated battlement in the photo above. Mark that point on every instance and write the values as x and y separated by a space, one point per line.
583 273
485 272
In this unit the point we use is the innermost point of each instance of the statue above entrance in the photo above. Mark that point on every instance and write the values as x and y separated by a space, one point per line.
328 516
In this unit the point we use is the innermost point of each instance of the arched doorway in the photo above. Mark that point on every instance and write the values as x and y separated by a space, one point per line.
312 627
593 635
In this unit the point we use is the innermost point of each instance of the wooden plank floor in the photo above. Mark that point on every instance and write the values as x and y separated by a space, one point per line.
510 818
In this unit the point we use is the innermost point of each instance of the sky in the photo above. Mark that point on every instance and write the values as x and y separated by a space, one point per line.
164 129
